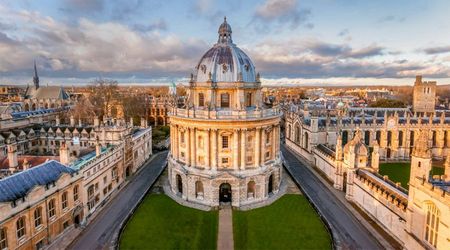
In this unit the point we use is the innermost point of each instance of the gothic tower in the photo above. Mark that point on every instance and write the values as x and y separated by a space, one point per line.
35 77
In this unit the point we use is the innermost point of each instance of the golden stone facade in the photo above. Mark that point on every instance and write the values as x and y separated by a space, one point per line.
225 142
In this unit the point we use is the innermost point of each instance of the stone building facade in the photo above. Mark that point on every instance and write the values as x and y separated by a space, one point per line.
39 204
225 142
424 96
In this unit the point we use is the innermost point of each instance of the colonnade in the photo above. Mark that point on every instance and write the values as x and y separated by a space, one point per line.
244 142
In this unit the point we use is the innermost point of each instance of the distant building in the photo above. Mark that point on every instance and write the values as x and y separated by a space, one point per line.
44 97
424 96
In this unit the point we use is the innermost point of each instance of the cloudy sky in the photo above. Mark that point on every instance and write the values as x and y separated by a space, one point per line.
290 41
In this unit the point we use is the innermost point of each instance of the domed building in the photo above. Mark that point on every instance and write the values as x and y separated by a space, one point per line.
225 141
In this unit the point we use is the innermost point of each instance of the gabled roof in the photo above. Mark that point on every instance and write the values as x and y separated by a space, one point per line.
49 92
18 185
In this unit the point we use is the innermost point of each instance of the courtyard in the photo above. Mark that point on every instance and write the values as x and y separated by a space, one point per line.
400 171
161 223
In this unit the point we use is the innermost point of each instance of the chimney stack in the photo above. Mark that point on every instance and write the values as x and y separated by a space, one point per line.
58 121
72 121
131 122
96 121
12 158
64 157
143 122
26 165
98 148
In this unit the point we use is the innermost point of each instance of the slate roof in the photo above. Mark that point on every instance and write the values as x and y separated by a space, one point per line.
18 185
48 92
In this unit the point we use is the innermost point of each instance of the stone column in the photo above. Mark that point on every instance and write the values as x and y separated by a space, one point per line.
236 149
207 150
257 146
274 142
214 150
243 148
187 143
193 147
262 155
176 139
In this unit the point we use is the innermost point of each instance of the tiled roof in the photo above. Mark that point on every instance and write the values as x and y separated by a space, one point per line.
17 186
33 160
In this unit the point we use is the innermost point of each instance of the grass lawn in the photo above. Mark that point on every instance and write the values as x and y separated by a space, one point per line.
161 223
399 172
289 223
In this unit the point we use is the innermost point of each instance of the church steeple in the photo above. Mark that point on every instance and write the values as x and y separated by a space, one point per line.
35 77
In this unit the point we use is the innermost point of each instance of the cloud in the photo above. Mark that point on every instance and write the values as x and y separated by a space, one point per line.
89 49
437 50
344 32
85 5
316 59
283 12
391 18
158 25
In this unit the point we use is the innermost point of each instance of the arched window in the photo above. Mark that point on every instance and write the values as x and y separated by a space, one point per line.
288 135
225 100
51 208
64 200
367 137
400 138
297 133
37 217
20 227
179 184
434 138
201 99
432 224
75 191
411 139
249 100
3 238
344 137
378 137
306 141
199 190
251 189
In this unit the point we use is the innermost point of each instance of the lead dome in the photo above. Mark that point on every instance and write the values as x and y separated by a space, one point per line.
225 62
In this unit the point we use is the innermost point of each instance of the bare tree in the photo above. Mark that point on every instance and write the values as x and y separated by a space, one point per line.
102 93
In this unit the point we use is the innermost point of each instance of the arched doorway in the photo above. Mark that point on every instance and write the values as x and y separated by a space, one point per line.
251 190
127 171
344 182
225 192
179 184
199 190
270 188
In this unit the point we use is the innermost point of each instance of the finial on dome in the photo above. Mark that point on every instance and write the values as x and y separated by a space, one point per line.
225 19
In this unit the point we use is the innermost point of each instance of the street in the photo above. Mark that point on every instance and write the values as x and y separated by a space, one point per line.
99 233
350 232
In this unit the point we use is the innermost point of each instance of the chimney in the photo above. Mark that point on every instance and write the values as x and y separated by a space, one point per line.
64 154
98 148
26 165
96 121
12 158
80 124
58 121
131 122
72 121
143 122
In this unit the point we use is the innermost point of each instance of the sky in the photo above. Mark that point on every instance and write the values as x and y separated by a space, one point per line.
347 42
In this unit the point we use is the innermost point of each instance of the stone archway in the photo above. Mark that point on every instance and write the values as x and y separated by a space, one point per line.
179 184
270 185
225 192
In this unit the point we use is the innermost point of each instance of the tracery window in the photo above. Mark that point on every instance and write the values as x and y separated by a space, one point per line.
64 200
432 224
51 208
20 227
37 217
3 239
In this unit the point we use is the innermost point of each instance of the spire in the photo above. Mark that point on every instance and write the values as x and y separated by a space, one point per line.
225 32
35 77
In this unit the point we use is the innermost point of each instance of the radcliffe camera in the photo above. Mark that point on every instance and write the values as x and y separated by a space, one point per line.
259 125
